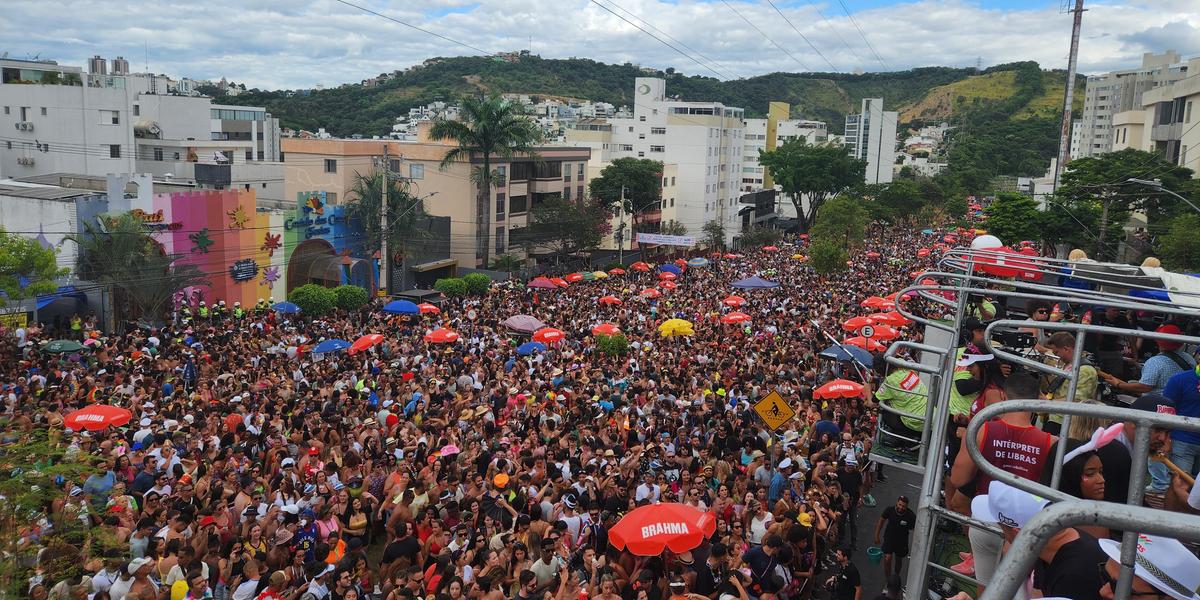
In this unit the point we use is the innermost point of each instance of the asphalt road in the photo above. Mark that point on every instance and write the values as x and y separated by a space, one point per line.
900 482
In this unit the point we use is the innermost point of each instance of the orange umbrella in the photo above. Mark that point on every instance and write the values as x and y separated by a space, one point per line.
893 319
574 278
549 335
735 317
428 309
610 300
365 342
442 335
770 248
559 281
640 266
606 329
923 252
884 332
731 255
667 276
616 271
97 417
873 255
838 388
681 262
856 323
878 303
865 343
668 285
734 301
651 293
651 529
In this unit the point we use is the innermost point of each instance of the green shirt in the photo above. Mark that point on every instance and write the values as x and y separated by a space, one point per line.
960 404
1088 382
904 390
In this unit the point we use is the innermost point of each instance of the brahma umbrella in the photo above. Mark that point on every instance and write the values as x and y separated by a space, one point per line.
327 346
401 307
365 342
878 303
549 335
523 323
770 248
923 252
649 530
574 277
97 417
650 293
529 348
893 319
856 323
838 388
668 285
286 308
734 318
606 329
640 266
734 301
883 333
559 282
616 271
610 300
541 283
428 309
667 276
442 336
867 344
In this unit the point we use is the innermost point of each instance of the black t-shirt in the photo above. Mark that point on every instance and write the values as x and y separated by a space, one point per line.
851 481
407 547
1106 342
847 581
1075 571
897 525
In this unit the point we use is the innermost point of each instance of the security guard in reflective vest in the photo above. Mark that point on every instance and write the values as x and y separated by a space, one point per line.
238 313
261 307
203 310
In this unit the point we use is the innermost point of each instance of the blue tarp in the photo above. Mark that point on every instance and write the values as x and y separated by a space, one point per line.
66 291
754 283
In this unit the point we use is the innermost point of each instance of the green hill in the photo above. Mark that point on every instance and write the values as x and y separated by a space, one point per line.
356 109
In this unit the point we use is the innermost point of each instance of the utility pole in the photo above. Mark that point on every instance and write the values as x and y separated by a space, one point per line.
383 223
1064 139
621 228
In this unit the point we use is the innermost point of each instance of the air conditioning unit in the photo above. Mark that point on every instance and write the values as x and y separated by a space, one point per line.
25 161
24 126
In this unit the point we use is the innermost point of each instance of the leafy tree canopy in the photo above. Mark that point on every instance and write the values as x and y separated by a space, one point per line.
639 178
562 227
813 172
1013 217
842 221
26 269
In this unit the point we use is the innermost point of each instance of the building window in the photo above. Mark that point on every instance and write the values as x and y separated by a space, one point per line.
264 186
517 205
627 147
672 203
114 116
331 165
672 180
114 151
566 172
261 156
500 206
641 136
158 154
247 186
137 110
566 193
394 165
658 130
631 130
642 118
579 171
249 155
664 182
500 240
501 176
9 145
658 148
7 110
579 192
416 171
641 154
43 111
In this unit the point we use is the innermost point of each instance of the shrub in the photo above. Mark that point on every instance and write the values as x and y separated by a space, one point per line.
452 287
612 345
827 257
477 284
314 300
351 297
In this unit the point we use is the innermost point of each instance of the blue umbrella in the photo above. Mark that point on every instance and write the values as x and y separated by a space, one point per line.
847 353
926 232
531 348
330 346
671 269
287 308
698 262
755 283
401 307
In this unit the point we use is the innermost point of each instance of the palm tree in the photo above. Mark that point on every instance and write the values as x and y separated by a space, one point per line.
490 127
406 215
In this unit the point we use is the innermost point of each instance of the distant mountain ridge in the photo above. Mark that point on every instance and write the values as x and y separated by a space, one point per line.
926 94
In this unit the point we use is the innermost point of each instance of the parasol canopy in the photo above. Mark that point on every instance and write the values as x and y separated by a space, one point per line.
735 317
649 530
442 335
327 346
650 293
541 283
523 323
401 307
845 353
574 277
856 323
428 309
755 283
365 342
640 266
549 335
838 388
97 417
697 262
286 308
668 285
676 328
529 348
62 347
867 344
616 271
675 269
610 300
667 276
606 329
734 301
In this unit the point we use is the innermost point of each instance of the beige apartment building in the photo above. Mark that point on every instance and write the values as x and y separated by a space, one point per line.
477 237
1166 122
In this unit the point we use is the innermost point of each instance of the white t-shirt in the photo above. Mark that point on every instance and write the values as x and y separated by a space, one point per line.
245 591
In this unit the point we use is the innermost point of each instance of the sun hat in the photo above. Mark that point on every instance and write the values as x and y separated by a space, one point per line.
1007 505
1162 562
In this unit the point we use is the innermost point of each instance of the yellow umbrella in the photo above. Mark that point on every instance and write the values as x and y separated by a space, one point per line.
676 327
798 256
600 275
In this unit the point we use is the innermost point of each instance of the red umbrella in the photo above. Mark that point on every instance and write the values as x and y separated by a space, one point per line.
649 530
856 323
428 309
878 303
950 239
715 255
442 335
734 301
574 277
559 281
365 342
651 293
770 248
893 319
866 344
606 329
681 262
976 207
549 335
610 300
668 285
838 388
804 236
873 255
667 276
923 252
541 283
884 332
735 317
730 255
891 297
640 266
97 417
616 271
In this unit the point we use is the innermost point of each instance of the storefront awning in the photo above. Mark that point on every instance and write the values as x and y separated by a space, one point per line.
66 291
437 264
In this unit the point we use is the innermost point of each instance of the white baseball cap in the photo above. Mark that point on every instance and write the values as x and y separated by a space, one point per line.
145 422
1164 563
1006 505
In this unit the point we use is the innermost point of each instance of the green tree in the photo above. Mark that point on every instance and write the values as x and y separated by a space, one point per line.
672 227
477 284
713 234
406 213
612 345
314 300
842 222
639 178
491 128
826 256
351 297
757 236
1179 248
1073 223
452 287
1013 217
143 278
507 263
562 227
26 268
817 173
1104 179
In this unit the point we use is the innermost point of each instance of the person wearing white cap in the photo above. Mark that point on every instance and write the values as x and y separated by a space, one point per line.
1163 568
1008 507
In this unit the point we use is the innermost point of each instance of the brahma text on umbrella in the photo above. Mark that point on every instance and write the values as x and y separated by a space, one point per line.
664 529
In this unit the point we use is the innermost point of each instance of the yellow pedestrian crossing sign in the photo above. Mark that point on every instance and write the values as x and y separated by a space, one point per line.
774 411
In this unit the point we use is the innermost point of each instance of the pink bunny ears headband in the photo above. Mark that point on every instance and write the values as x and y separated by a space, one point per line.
1100 438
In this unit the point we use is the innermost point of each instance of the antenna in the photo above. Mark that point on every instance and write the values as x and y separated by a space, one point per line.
978 64
147 54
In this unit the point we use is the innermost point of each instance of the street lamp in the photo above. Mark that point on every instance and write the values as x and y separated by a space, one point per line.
1157 184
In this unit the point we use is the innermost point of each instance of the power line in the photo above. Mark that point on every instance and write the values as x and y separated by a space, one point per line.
829 24
411 26
668 36
660 40
802 36
864 36
764 34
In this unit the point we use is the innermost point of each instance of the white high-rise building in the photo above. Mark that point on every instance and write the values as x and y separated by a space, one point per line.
871 136
812 132
1119 91
699 143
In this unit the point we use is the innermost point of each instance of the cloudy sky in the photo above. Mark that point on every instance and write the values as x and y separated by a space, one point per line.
301 43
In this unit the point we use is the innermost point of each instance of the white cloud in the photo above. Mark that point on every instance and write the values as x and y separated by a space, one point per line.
300 43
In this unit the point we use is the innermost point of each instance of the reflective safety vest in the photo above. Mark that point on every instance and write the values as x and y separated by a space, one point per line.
237 312
204 311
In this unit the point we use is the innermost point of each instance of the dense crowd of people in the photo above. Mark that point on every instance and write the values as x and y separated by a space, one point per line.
254 469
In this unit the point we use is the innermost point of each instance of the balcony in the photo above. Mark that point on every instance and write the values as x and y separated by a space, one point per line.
1166 133
217 176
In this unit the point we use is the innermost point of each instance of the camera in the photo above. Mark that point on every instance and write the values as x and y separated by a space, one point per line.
1018 340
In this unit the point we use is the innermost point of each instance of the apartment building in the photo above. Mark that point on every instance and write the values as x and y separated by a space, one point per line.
871 136
58 119
1118 91
702 141
755 136
476 239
